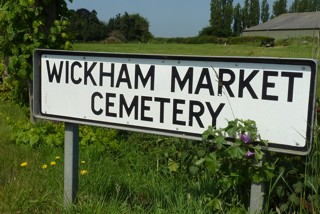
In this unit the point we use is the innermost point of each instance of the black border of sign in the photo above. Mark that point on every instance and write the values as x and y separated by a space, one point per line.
253 60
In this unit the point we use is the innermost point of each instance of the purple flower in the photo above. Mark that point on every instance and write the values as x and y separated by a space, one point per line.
249 154
245 138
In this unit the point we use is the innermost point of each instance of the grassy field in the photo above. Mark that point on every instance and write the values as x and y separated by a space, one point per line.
132 176
31 179
296 50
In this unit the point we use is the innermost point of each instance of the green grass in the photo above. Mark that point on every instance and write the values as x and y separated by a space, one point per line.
292 51
20 188
127 181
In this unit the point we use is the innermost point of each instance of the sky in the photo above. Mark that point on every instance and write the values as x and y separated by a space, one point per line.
167 18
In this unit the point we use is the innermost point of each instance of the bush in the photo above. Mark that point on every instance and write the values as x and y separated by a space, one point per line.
262 40
259 40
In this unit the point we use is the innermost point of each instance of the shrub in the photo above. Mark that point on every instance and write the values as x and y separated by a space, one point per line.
262 40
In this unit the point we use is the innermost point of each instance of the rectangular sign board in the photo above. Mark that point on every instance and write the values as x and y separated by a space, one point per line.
179 95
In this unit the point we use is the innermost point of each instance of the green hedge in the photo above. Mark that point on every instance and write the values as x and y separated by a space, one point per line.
260 40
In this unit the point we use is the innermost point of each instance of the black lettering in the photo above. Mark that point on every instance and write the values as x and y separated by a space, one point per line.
67 71
144 80
226 83
291 76
129 109
74 64
87 73
208 85
162 101
145 108
177 111
110 104
93 109
54 74
187 78
215 114
106 74
245 83
196 114
124 76
266 84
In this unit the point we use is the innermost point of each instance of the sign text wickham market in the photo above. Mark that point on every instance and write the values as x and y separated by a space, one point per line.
179 95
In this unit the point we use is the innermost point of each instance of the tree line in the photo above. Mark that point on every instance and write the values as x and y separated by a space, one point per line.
228 20
85 26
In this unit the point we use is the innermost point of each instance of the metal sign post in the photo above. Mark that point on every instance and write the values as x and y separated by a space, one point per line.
71 163
257 194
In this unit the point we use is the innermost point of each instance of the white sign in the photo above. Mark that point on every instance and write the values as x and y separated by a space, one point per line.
179 95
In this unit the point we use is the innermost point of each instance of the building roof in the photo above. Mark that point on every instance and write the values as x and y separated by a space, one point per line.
290 21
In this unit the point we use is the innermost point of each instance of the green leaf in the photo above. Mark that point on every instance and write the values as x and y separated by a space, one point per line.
219 141
215 203
34 140
284 207
193 169
200 161
22 73
268 174
231 129
173 166
213 165
294 199
201 153
236 152
10 32
25 37
280 191
298 187
258 153
52 38
207 134
23 3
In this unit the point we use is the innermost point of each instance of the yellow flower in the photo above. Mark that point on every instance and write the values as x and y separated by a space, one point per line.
44 166
23 164
83 162
83 172
57 157
53 163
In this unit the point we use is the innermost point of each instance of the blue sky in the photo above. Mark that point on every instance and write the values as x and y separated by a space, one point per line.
167 18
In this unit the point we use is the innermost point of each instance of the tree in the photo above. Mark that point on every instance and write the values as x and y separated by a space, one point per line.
215 17
279 7
221 17
316 5
227 17
305 6
254 12
265 14
237 20
26 25
294 8
206 31
86 26
299 6
129 27
246 15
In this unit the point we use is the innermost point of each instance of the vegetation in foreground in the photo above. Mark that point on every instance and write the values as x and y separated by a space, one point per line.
123 172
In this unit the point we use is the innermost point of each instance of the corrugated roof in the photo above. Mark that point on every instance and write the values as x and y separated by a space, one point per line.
290 21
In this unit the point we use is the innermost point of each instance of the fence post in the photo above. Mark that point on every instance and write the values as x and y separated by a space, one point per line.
71 163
